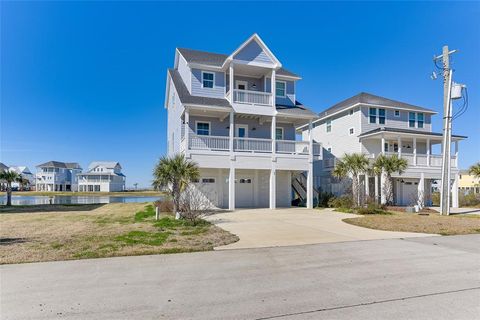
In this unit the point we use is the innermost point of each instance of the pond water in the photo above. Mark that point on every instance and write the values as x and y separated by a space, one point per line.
33 200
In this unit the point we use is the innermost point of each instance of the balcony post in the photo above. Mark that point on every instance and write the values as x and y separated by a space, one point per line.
274 136
399 142
273 84
414 151
428 152
456 154
231 131
232 82
310 168
383 145
187 131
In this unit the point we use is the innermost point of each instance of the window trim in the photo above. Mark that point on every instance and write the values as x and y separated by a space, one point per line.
209 127
283 131
213 80
328 125
284 90
370 115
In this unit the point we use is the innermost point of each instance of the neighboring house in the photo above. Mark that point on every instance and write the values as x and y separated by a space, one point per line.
374 125
3 184
25 173
102 176
57 176
468 183
235 116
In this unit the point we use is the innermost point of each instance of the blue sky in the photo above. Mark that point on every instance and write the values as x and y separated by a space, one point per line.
85 81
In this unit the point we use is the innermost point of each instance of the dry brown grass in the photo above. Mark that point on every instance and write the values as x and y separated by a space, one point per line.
409 222
103 231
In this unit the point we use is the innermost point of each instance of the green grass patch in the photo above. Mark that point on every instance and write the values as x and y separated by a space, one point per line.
143 237
149 212
194 231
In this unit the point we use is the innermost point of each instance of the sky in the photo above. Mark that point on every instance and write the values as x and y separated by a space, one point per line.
85 81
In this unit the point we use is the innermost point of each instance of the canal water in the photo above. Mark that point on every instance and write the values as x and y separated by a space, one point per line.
33 200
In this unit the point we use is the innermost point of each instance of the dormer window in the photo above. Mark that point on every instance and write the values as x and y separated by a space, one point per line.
280 88
208 79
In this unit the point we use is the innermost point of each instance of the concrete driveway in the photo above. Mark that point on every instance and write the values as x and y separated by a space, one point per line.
259 228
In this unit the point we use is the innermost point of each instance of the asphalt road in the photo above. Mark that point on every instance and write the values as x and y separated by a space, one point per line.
415 278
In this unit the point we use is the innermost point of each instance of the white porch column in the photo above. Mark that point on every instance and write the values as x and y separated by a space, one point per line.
231 131
232 82
187 132
383 194
399 142
414 151
273 136
428 152
376 188
231 187
273 184
383 145
421 191
455 192
274 86
310 168
367 185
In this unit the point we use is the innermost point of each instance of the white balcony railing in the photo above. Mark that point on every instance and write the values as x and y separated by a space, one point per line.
422 159
252 97
256 145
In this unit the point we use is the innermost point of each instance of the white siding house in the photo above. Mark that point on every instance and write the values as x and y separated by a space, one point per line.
25 173
57 176
374 125
235 115
102 176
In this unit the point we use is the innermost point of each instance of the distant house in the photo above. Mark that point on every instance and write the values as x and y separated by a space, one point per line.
57 176
468 183
3 185
25 173
102 176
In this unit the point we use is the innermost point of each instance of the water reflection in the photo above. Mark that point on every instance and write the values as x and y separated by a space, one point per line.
33 200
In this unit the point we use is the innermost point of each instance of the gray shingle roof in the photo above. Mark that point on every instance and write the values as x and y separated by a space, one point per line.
368 98
3 167
217 60
298 109
106 164
187 98
59 164
397 130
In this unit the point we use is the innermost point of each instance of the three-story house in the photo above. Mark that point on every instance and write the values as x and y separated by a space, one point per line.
236 116
57 176
374 125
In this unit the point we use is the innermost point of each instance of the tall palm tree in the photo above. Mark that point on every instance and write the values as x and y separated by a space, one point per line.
474 170
9 177
174 174
352 165
386 165
22 182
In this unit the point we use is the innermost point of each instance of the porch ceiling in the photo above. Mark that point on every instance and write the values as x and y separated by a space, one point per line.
250 71
393 133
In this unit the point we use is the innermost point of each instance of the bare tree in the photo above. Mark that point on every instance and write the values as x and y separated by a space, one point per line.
195 204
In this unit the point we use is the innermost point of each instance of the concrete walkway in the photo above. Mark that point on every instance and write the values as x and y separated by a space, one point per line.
460 210
258 228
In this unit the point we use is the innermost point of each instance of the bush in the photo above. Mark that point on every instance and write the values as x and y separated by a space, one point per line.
344 201
372 208
165 206
436 199
324 198
468 200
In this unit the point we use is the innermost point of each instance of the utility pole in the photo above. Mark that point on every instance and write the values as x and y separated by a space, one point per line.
447 131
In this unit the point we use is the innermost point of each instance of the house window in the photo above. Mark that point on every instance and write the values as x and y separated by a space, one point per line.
329 149
397 113
373 115
280 88
351 112
279 133
385 147
203 128
208 180
411 119
420 120
328 124
208 79
381 116
395 147
351 131
247 180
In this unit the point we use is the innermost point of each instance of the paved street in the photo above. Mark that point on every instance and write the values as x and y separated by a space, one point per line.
260 228
414 278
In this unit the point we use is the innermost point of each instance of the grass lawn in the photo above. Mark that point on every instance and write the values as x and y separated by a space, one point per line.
94 231
410 222
111 194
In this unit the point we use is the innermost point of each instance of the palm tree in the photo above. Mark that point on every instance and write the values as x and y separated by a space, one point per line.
474 170
352 165
9 177
22 182
174 174
386 165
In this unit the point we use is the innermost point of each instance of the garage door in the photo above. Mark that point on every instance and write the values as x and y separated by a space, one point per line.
244 192
409 193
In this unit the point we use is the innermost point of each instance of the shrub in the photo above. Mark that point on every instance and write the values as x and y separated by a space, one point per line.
165 206
344 201
324 198
468 200
436 199
372 208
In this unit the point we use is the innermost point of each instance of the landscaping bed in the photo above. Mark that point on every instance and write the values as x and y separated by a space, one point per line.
117 229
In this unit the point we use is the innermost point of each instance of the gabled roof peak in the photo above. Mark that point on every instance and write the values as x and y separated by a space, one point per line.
255 37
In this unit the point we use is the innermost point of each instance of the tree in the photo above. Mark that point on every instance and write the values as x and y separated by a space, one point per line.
385 166
174 174
135 185
352 165
474 170
23 182
9 177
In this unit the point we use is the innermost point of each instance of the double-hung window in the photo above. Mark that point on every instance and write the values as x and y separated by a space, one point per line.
279 133
280 88
373 115
420 120
411 119
208 79
381 116
328 125
203 128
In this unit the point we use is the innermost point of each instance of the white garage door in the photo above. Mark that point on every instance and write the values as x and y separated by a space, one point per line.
244 192
409 193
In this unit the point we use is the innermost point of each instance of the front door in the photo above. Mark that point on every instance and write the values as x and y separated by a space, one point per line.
241 130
